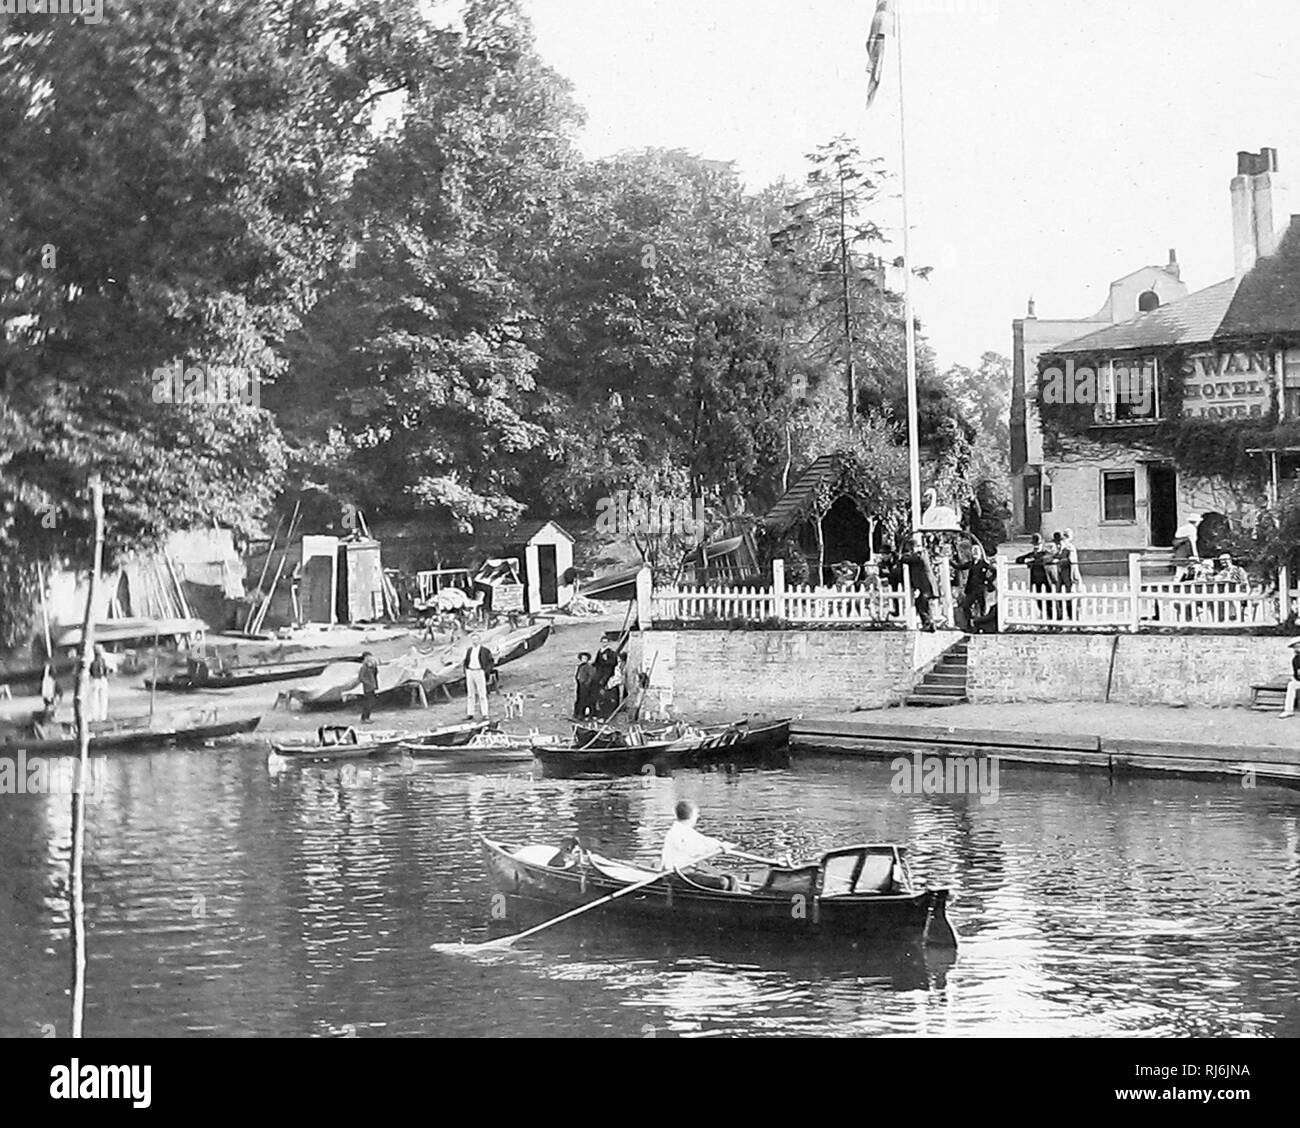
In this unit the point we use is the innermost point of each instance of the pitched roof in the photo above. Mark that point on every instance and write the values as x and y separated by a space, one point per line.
792 504
1268 299
524 532
1190 320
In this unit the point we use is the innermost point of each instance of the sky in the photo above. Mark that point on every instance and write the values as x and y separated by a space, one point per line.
1052 145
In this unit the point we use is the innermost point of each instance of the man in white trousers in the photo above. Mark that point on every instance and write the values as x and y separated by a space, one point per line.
478 665
99 685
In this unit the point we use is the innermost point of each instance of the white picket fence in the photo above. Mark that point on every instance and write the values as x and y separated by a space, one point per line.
1136 603
859 604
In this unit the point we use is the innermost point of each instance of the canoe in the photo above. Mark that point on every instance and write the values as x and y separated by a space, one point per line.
854 893
741 743
338 742
241 677
140 735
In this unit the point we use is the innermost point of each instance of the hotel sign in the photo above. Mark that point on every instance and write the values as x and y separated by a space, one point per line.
1227 385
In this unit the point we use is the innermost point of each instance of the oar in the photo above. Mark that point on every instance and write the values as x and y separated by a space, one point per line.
506 941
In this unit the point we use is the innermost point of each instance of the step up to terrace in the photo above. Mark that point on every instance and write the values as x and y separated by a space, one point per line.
946 683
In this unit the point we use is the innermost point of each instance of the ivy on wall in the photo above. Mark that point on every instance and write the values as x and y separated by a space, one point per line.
1199 448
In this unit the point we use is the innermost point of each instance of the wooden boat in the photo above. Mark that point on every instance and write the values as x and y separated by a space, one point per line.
450 736
402 680
136 734
200 677
491 746
338 742
738 743
854 893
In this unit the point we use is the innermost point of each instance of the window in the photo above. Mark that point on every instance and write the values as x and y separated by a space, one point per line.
1118 495
1047 497
1148 301
1127 391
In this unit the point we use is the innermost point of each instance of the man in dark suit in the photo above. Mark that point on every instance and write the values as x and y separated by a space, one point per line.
477 663
584 703
920 574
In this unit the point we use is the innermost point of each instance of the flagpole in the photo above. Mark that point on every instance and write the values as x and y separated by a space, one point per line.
913 441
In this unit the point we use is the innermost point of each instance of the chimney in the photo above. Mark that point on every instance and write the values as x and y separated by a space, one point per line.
1173 268
1031 312
1259 213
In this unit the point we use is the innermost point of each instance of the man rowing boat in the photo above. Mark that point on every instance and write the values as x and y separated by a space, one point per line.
684 846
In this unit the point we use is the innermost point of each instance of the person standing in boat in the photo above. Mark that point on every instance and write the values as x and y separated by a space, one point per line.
684 846
478 663
99 685
369 679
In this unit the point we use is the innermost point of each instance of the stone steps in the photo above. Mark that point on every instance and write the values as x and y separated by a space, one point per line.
946 683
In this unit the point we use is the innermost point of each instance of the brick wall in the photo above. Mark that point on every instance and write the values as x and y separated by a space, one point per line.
785 671
1148 669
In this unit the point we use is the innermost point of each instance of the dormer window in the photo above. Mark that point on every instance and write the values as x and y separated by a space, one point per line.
1148 301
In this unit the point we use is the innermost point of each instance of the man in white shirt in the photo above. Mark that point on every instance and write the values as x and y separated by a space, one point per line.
478 664
684 846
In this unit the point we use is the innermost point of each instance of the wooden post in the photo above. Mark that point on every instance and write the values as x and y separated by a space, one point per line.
1135 591
945 590
909 607
153 683
1003 584
77 908
778 589
1284 594
644 599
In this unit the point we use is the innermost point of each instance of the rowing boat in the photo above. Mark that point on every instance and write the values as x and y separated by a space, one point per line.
739 743
853 893
117 736
338 742
449 736
487 747
200 677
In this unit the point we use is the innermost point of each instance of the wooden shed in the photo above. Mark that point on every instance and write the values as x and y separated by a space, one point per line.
546 551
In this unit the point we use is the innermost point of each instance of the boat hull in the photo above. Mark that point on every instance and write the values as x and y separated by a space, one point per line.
766 745
138 739
912 918
235 679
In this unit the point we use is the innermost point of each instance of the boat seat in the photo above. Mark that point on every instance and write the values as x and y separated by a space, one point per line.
877 874
795 879
535 855
618 871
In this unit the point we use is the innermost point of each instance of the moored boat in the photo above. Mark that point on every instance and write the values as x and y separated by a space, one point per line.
449 736
338 742
489 746
851 894
740 743
138 735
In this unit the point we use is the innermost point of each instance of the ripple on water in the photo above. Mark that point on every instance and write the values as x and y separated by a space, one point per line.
222 900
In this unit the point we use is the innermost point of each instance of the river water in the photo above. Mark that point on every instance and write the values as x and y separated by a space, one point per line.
224 899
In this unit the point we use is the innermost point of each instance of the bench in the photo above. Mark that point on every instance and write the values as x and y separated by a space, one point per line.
1268 696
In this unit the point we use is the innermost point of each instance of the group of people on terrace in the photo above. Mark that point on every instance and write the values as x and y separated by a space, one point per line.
1053 566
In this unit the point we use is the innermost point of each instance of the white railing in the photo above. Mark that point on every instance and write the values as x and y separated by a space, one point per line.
1136 603
861 603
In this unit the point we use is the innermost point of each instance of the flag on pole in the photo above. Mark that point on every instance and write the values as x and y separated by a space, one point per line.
881 24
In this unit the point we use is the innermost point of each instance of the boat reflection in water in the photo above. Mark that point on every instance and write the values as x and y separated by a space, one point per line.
604 943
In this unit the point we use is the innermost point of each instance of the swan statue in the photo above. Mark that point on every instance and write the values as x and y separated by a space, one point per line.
938 518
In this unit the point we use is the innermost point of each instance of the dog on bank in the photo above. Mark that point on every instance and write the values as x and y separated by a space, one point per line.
514 705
